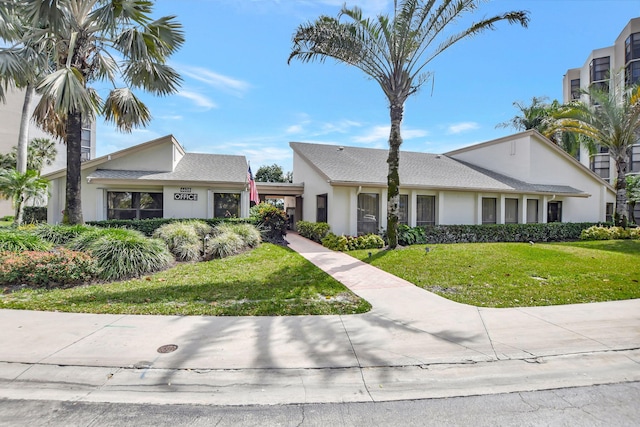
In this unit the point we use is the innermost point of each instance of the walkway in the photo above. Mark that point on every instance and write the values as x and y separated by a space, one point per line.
413 344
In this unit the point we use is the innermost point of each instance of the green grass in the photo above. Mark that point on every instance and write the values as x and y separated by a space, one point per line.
5 224
269 280
518 274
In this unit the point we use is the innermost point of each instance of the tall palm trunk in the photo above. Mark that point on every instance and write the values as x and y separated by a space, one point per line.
622 209
23 136
393 177
73 204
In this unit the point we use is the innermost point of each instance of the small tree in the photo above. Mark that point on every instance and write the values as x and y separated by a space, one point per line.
271 173
20 188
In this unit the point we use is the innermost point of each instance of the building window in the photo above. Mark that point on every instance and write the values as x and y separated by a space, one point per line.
321 208
368 213
575 89
554 212
632 73
511 211
609 213
636 212
85 141
632 47
599 69
488 210
134 205
532 211
403 211
634 159
600 165
426 210
226 205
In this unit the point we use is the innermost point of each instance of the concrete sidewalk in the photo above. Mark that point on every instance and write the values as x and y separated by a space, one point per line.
413 344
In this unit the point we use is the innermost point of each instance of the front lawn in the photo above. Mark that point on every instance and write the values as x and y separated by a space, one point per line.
269 280
518 274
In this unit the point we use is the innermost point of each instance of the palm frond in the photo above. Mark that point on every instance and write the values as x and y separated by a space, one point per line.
125 110
66 87
159 79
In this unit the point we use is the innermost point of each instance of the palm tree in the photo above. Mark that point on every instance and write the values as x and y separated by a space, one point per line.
633 195
611 119
41 152
539 115
394 52
82 39
20 188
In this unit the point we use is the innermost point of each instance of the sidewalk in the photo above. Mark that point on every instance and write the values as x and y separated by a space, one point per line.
413 344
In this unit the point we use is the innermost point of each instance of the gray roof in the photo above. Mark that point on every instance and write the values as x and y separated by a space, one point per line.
192 167
369 166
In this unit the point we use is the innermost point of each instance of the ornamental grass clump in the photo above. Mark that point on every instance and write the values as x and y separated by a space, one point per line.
61 234
250 234
19 240
122 253
46 269
225 244
184 239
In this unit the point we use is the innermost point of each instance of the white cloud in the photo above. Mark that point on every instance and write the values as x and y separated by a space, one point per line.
294 129
381 133
218 81
457 128
198 99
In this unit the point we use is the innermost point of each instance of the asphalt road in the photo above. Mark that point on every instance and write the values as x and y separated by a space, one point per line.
604 405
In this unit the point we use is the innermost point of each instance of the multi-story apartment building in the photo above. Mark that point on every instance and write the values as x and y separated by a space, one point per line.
10 116
617 65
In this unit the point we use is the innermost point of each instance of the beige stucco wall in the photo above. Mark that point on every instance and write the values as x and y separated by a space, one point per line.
314 185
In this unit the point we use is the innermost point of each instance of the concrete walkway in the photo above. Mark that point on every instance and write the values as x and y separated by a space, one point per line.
413 344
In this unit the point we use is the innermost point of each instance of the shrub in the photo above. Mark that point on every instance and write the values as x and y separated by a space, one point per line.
250 235
411 235
19 240
122 253
60 234
225 244
34 214
315 231
148 226
46 269
184 239
7 218
350 243
608 233
272 221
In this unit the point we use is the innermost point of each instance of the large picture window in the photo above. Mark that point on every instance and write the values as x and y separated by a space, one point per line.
488 210
403 211
134 205
368 213
532 211
426 210
321 208
554 212
226 205
511 211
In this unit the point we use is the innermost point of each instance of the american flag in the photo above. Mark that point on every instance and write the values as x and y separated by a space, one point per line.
253 191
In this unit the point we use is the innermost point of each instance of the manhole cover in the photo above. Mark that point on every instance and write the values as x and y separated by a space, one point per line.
167 348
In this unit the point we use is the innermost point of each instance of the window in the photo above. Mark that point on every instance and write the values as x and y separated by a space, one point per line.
609 212
85 141
368 213
554 212
600 165
575 89
488 210
632 73
403 212
532 211
636 212
134 205
632 47
226 205
599 69
634 159
426 210
511 211
321 208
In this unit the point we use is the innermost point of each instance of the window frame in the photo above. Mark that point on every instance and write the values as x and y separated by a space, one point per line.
135 203
322 213
487 207
365 223
557 215
428 208
530 203
238 197
507 201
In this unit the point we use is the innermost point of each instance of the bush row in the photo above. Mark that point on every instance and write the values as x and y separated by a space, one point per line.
609 233
551 232
149 226
351 243
315 231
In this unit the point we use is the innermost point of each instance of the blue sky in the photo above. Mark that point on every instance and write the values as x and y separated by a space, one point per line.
239 96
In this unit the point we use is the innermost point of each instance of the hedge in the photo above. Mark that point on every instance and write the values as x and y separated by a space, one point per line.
148 226
34 214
